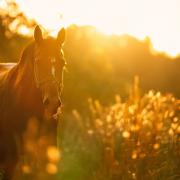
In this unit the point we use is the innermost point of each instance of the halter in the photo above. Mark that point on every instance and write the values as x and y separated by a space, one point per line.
52 79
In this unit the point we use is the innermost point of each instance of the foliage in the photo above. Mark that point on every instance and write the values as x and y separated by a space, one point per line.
100 66
134 139
14 20
13 23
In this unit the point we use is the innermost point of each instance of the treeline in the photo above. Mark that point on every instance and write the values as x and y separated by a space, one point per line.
12 24
99 66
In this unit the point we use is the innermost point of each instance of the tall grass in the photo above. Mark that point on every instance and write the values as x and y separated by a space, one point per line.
134 139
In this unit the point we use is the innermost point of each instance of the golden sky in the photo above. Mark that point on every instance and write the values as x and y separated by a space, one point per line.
158 19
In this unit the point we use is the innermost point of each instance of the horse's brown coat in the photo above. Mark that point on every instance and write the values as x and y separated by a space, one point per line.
20 99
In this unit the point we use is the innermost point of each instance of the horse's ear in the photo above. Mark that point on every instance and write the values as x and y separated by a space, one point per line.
38 34
61 36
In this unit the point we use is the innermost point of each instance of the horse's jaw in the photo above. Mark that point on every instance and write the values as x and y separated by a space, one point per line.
52 114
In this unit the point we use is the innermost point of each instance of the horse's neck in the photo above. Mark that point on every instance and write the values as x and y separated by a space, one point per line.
24 81
6 91
23 94
18 93
25 67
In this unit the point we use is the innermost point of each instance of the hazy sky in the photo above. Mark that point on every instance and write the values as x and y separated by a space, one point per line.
158 19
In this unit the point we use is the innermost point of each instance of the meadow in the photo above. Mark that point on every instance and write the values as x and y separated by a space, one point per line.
121 110
136 138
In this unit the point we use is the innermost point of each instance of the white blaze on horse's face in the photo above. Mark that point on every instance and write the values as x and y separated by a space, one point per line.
53 70
48 70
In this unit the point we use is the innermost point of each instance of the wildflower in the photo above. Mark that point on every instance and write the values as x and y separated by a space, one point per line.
156 146
51 168
90 132
76 114
108 119
118 98
135 127
150 94
159 126
53 154
174 126
132 109
126 134
134 155
175 119
178 129
26 169
171 132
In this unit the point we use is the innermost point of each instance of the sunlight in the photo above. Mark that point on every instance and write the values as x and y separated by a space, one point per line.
24 30
99 100
53 154
140 18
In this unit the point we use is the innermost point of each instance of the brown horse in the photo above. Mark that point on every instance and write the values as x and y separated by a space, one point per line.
30 88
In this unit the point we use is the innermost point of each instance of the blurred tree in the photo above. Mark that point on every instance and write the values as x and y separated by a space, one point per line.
100 66
13 20
13 24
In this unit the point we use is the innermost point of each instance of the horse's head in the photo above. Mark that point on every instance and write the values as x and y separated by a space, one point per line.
49 63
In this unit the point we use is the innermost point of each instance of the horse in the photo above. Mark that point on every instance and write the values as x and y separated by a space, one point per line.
30 88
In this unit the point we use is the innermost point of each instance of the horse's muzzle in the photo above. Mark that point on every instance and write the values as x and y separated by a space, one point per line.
52 108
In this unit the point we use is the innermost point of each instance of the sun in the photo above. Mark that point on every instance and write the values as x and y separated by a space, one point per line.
141 18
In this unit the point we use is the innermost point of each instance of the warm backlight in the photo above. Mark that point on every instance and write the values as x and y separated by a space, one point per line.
157 19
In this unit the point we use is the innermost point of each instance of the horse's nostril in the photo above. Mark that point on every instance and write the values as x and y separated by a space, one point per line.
46 102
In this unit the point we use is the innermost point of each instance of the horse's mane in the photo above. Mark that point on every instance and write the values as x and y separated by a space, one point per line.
27 53
8 76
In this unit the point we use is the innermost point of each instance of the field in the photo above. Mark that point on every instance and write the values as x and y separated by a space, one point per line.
120 118
138 138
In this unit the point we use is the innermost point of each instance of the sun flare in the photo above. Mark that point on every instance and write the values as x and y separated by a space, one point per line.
157 19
